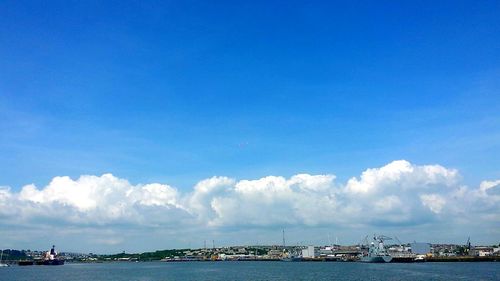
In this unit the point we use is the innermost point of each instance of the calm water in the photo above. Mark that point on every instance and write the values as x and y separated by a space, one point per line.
255 271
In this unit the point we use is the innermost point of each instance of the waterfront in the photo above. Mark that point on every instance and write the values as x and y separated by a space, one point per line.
254 271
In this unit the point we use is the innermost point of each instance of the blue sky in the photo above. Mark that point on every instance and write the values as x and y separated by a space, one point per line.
182 91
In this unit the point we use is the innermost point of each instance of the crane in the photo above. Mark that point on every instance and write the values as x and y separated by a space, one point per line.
381 238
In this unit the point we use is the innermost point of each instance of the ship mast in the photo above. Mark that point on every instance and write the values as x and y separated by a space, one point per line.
283 240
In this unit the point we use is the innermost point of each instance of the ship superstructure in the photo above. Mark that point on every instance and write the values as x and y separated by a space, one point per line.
376 251
51 257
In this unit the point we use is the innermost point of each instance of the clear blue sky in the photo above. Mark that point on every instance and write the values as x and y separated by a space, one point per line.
184 90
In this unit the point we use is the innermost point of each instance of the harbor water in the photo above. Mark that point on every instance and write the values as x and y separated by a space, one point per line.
275 271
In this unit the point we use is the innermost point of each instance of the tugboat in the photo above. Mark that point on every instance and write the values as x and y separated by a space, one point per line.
291 257
51 258
377 252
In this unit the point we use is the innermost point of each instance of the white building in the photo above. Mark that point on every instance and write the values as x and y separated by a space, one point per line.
309 252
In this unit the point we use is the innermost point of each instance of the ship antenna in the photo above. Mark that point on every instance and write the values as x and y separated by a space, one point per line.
283 240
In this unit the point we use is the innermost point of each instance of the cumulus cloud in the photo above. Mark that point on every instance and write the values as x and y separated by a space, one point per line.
199 201
96 200
402 175
433 201
490 189
302 199
399 193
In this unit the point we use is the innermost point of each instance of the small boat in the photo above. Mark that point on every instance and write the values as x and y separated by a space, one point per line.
420 258
377 252
1 263
291 258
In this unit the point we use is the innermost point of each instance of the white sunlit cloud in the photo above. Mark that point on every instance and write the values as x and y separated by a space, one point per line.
398 193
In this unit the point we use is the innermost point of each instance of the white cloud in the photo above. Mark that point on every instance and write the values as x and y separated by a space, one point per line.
96 200
490 189
402 175
392 194
200 200
302 199
433 201
388 203
399 193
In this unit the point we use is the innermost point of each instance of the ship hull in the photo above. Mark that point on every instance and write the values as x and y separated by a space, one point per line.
403 259
50 262
53 262
291 259
377 259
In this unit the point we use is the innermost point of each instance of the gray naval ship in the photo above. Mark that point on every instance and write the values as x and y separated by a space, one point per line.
377 252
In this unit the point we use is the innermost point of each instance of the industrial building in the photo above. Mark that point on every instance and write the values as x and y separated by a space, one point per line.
420 248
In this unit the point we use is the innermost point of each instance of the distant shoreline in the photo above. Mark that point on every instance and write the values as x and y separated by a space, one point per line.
429 259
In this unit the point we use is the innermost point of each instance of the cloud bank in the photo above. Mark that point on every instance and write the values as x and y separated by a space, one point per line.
398 194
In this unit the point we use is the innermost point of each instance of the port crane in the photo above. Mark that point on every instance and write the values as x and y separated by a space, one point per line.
401 247
381 238
467 246
363 243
